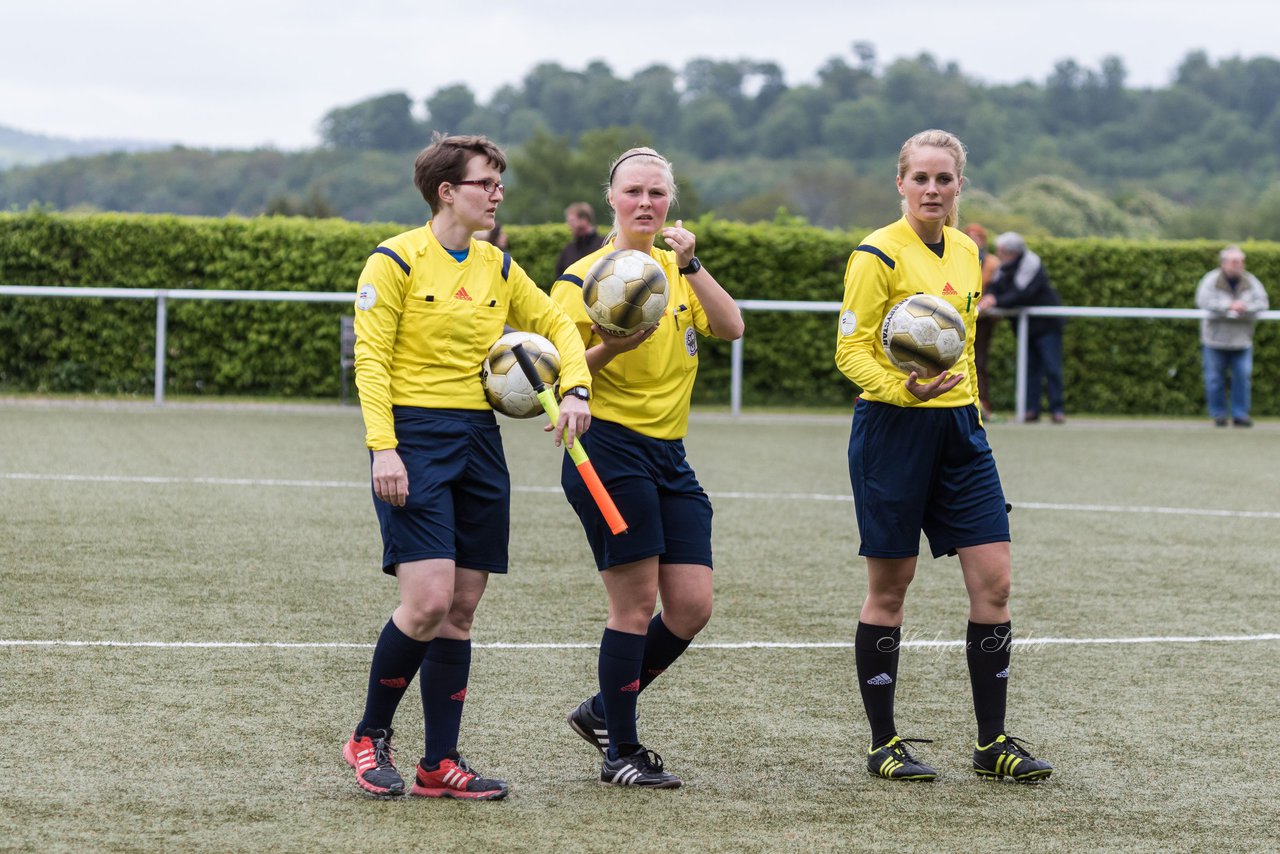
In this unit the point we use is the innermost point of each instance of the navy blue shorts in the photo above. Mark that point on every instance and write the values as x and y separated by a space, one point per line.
459 505
923 469
659 496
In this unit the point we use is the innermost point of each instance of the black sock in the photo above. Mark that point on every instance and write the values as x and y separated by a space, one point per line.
876 653
445 672
395 661
619 672
987 649
661 648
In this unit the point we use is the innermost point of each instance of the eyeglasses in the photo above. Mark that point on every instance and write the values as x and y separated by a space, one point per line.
489 185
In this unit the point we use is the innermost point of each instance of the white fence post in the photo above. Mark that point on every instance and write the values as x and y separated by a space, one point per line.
162 324
735 377
1020 370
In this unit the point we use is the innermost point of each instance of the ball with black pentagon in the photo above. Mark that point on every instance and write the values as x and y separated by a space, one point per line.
923 333
506 387
625 292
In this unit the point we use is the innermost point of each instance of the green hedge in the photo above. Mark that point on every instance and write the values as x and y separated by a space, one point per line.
1143 366
252 348
290 349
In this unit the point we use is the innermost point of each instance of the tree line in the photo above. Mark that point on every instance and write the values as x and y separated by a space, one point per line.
1080 154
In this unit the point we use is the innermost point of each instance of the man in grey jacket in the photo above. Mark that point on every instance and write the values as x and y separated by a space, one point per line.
1233 299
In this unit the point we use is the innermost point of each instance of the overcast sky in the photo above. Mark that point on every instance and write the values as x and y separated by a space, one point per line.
245 73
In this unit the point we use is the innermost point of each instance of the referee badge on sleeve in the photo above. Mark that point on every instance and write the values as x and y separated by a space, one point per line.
366 297
691 341
848 323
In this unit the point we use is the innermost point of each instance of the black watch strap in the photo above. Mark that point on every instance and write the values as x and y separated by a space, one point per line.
577 391
692 267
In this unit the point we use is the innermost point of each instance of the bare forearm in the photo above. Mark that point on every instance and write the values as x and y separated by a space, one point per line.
723 315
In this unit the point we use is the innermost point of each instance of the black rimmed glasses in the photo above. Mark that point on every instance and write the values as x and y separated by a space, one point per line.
489 185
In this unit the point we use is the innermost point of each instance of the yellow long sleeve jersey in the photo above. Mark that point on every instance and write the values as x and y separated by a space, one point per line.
425 322
890 265
647 389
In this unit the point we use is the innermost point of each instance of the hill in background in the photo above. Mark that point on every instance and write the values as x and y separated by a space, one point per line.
21 148
1081 154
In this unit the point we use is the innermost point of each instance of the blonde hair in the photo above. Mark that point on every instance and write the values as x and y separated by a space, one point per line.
948 142
644 156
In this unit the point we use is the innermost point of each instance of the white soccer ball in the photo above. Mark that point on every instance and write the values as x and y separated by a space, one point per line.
923 333
625 291
506 387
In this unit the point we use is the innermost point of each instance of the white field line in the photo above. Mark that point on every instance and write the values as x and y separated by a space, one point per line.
551 490
785 645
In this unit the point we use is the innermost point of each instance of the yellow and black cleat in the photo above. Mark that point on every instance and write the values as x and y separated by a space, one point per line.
1006 757
894 761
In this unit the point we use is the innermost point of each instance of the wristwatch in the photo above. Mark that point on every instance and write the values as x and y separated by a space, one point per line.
578 391
692 267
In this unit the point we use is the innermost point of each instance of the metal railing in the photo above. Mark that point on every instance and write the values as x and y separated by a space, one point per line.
1023 316
163 295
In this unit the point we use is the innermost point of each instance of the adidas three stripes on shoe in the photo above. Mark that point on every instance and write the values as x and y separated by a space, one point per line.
453 778
586 723
370 755
1006 757
642 768
894 761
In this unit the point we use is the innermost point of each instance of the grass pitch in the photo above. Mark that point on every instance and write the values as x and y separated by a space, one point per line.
190 595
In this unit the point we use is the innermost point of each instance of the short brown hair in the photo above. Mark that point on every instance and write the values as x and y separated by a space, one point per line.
445 161
581 210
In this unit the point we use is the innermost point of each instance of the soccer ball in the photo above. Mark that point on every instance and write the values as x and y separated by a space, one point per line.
625 291
506 387
924 334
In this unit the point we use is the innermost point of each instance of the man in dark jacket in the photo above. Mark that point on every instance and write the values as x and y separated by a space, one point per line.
582 224
1021 282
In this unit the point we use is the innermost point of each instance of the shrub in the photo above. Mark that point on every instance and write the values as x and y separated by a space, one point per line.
291 349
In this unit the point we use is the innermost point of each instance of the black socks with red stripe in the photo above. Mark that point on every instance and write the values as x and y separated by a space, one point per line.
445 671
395 662
619 665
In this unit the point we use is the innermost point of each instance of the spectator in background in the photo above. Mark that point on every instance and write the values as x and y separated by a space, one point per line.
1022 282
581 220
494 235
1233 299
985 325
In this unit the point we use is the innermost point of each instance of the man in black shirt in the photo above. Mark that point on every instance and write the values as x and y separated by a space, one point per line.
581 220
1022 281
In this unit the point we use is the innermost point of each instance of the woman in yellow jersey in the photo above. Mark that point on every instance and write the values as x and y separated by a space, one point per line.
919 461
431 303
640 407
